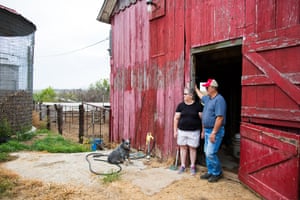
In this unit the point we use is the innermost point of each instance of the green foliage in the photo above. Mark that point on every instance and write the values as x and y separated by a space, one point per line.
13 146
43 131
46 95
101 85
25 136
5 129
47 141
97 92
4 156
111 177
55 143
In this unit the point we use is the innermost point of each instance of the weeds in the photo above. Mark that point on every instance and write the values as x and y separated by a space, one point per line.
13 146
40 140
55 143
111 177
50 142
7 182
5 129
25 136
4 156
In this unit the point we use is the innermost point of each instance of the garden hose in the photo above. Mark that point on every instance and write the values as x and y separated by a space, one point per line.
95 155
133 156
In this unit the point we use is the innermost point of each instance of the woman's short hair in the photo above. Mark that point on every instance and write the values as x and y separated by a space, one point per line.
190 91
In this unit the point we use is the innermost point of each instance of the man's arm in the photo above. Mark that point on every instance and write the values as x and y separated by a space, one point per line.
198 92
218 124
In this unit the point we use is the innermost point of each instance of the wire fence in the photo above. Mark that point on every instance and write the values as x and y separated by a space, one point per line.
77 121
16 62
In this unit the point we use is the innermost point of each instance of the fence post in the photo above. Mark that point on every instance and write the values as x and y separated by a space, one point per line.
59 111
81 123
40 111
48 117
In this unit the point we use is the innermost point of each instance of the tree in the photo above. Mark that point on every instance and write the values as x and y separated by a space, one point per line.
99 91
46 95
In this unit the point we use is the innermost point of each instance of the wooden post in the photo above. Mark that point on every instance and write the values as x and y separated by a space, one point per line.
100 118
59 110
81 123
48 117
40 111
103 113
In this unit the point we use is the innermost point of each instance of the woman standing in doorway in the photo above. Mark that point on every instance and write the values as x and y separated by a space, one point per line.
187 126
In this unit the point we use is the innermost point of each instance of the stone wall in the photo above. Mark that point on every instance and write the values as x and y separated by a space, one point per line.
16 107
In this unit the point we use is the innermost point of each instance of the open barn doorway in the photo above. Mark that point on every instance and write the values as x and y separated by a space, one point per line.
223 62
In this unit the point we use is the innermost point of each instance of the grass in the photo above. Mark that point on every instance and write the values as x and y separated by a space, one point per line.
111 177
4 156
55 143
13 146
40 140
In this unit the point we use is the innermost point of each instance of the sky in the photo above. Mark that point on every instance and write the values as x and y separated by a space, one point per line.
71 45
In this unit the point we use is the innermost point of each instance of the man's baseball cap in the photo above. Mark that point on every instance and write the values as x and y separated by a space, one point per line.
210 82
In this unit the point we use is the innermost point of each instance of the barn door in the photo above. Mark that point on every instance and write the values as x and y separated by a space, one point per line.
269 162
270 116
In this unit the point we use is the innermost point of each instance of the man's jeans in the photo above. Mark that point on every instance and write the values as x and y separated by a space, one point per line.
211 149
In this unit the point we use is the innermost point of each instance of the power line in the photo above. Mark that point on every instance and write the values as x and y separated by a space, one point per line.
76 50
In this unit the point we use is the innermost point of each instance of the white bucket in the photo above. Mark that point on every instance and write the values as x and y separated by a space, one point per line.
236 145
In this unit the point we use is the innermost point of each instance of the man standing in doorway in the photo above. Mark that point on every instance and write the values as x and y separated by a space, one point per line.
213 130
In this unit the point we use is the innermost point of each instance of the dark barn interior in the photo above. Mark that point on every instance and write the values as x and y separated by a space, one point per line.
225 65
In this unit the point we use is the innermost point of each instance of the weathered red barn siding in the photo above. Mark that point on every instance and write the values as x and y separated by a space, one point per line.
271 68
129 81
151 64
213 21
167 58
146 83
165 69
269 162
270 157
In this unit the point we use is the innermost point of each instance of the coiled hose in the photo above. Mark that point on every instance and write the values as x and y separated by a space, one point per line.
96 156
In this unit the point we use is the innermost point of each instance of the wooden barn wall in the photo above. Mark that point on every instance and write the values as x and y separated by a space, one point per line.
129 82
167 57
186 24
151 60
270 113
148 78
271 72
208 22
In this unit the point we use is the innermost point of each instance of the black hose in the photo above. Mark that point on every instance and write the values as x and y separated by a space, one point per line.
133 156
99 155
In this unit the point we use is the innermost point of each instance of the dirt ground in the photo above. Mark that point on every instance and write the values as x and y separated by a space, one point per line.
41 175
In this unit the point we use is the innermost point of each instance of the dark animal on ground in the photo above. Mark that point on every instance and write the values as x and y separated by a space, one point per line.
121 153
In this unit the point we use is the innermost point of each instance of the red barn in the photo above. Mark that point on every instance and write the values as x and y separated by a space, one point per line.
252 48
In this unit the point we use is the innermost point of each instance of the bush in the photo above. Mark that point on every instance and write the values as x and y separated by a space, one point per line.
5 130
3 156
13 146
